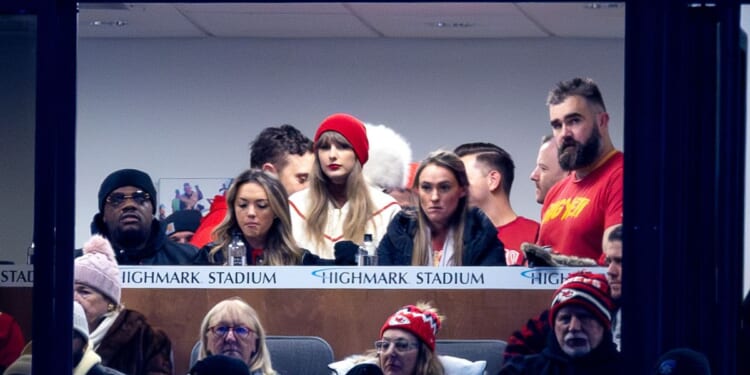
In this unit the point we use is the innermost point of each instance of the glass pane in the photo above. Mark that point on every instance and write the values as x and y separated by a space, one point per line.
18 34
179 90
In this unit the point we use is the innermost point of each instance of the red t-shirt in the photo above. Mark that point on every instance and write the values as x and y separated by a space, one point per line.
513 234
576 213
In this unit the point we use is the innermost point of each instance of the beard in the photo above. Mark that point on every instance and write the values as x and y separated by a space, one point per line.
131 238
574 155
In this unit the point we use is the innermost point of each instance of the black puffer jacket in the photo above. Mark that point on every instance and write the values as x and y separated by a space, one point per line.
159 250
481 245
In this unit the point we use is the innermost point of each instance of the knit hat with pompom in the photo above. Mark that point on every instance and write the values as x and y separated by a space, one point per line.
97 268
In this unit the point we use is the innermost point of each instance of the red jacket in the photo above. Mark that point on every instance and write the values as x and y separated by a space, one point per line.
215 216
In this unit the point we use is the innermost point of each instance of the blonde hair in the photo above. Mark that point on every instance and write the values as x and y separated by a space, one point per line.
280 248
361 206
260 360
422 237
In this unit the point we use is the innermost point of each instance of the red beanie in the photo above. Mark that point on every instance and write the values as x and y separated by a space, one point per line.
351 128
588 290
423 324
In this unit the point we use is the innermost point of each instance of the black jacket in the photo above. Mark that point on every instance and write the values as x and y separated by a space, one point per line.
481 245
605 359
101 370
159 250
343 258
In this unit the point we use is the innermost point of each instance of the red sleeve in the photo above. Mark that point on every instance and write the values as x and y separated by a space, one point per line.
613 211
11 340
530 339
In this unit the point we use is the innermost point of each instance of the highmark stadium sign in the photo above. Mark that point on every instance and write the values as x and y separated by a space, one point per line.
311 277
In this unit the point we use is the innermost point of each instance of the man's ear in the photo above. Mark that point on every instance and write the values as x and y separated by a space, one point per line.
603 120
494 180
268 167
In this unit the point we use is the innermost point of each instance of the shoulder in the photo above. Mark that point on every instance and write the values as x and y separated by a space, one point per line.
98 369
526 223
477 220
298 203
404 219
179 253
379 197
383 202
300 196
614 165
204 258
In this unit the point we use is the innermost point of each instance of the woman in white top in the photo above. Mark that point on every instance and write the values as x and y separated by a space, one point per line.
339 205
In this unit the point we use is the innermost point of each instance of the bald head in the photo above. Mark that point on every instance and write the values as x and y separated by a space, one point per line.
547 171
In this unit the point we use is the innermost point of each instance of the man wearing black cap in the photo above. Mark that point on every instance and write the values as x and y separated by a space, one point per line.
127 204
180 226
580 341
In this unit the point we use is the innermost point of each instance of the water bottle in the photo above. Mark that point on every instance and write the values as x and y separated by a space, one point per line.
236 251
367 254
30 254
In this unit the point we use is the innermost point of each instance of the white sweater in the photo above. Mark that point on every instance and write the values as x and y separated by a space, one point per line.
386 208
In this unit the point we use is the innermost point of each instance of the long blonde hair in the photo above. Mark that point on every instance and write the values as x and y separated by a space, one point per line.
235 306
361 206
280 248
423 236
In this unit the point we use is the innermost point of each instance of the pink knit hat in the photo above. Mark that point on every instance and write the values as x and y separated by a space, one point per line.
352 129
97 268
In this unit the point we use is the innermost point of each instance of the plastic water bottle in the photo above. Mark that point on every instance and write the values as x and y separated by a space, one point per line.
30 254
367 254
236 251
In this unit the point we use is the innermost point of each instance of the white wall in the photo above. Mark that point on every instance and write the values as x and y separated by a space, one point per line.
189 107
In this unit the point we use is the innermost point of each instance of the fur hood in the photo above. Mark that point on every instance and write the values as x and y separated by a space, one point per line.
390 155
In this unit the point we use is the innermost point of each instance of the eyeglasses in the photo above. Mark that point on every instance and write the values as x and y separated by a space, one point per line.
139 197
239 331
401 346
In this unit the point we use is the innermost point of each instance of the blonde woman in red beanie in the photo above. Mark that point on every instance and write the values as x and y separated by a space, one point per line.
121 337
407 342
339 205
407 346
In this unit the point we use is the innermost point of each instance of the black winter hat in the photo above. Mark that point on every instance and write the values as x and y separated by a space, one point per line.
127 177
682 361
219 365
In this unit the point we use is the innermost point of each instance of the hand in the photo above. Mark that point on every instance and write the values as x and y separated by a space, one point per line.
345 253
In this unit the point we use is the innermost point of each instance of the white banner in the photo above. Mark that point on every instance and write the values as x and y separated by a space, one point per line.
307 277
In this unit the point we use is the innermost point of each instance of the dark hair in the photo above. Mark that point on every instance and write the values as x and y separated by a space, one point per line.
493 157
615 234
273 144
583 87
